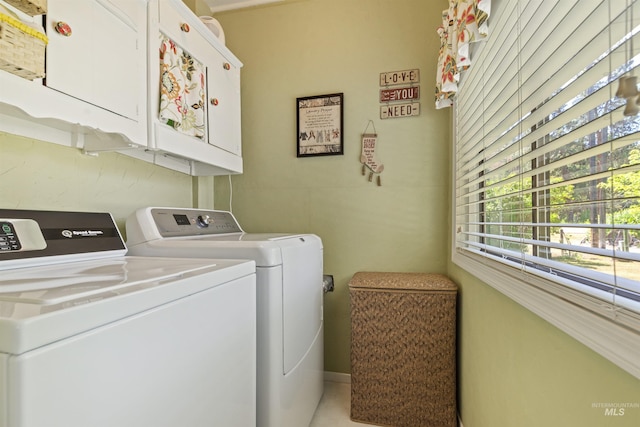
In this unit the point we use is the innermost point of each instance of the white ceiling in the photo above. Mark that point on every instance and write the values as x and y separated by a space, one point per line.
220 5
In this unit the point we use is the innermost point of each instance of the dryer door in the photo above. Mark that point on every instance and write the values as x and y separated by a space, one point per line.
302 296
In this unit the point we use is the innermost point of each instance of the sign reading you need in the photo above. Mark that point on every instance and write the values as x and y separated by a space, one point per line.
406 90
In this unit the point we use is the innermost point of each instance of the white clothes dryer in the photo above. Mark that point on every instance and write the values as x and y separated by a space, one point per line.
92 337
289 299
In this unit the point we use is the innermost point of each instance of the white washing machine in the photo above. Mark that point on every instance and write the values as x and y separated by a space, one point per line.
91 337
290 295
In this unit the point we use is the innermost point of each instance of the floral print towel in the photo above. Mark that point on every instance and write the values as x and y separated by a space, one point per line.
182 92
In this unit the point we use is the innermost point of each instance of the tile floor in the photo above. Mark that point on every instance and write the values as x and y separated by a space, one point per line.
333 410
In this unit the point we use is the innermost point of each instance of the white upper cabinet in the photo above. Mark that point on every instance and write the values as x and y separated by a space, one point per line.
194 91
103 85
94 93
99 61
223 82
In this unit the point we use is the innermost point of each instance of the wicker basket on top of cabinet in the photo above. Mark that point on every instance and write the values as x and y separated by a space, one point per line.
22 48
30 7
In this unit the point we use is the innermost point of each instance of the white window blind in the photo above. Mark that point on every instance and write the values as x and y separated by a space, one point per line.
547 166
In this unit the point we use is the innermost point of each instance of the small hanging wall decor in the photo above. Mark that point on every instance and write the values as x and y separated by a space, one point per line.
368 155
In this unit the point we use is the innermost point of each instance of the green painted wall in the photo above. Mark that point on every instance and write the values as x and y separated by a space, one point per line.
314 47
515 369
40 175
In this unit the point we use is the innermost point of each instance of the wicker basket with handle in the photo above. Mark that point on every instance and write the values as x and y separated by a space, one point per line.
22 48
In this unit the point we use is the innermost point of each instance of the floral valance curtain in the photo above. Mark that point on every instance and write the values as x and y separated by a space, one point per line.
464 22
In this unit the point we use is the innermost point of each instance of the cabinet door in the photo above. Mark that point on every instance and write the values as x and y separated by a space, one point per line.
223 84
218 151
99 61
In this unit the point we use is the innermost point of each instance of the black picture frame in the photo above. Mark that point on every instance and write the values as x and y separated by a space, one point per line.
319 125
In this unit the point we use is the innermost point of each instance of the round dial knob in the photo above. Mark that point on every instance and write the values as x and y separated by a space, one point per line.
63 28
203 221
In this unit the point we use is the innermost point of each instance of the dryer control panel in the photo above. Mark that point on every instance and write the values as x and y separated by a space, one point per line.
193 222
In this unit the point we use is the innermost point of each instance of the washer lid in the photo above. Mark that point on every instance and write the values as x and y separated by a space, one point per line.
41 305
86 281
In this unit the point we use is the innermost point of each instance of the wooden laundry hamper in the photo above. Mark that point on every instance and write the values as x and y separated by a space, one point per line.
403 349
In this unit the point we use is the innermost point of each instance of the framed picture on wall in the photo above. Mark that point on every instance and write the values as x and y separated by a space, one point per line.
320 121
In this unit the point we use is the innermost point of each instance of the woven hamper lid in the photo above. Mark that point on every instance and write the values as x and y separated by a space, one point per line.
402 281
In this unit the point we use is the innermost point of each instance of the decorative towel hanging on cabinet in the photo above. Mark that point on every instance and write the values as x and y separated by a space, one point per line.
182 93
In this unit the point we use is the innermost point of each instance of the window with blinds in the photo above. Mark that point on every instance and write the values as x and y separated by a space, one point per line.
547 166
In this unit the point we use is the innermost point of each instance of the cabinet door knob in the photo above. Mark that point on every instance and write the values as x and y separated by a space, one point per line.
62 28
214 101
185 27
226 66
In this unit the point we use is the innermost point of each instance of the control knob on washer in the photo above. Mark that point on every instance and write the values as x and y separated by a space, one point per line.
203 221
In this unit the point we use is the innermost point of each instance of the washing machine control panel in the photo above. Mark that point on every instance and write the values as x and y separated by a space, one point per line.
35 237
193 222
17 234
